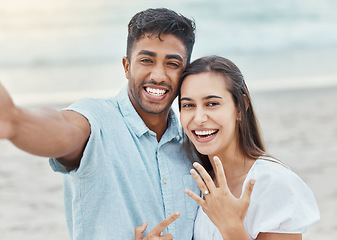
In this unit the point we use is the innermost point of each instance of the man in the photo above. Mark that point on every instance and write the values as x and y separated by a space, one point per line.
120 156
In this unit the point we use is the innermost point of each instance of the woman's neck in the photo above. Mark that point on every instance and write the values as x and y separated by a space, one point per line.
236 166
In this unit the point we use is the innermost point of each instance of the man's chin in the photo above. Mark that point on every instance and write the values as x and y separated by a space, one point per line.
156 109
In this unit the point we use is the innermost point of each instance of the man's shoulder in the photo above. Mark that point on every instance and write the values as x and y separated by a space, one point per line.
95 107
96 102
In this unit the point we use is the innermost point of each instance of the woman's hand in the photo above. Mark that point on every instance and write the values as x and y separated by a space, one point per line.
225 210
155 234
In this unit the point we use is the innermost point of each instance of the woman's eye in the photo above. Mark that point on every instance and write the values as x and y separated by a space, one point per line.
212 104
186 105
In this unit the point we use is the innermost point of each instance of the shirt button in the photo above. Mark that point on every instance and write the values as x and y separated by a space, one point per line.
164 181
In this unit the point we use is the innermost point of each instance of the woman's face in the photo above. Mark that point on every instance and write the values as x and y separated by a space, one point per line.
208 113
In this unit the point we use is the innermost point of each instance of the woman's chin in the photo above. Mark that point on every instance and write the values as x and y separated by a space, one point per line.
204 151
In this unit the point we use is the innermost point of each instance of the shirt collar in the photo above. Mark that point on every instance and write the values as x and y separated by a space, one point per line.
136 123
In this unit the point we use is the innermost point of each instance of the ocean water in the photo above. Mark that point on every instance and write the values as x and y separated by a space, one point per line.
59 51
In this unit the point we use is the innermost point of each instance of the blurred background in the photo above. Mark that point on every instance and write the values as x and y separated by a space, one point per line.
55 52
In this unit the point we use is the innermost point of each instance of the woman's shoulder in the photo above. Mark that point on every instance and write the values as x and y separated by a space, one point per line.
276 178
281 201
271 169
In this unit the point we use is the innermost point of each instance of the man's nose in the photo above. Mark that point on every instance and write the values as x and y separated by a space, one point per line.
158 73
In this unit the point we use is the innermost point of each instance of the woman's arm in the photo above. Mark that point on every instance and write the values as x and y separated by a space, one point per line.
225 210
279 236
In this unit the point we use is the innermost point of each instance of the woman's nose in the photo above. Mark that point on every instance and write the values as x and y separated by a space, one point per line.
200 116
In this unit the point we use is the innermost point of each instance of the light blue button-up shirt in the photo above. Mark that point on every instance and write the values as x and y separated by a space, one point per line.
126 177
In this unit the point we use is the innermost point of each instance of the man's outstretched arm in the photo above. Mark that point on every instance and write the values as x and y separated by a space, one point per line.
44 132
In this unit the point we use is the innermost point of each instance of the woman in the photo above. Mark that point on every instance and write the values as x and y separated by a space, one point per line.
218 117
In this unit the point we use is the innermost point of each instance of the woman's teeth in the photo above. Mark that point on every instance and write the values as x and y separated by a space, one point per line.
155 91
203 134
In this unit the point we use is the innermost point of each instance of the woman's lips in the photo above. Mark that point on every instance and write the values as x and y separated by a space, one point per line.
205 135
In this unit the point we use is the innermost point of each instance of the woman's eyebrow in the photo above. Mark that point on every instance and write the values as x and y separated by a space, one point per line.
204 98
211 96
185 99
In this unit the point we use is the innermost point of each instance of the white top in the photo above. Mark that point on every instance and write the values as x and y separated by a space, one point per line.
280 203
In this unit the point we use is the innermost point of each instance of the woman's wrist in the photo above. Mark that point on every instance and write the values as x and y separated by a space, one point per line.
234 231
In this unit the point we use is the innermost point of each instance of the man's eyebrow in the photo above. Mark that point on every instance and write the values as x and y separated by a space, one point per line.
153 54
147 52
175 56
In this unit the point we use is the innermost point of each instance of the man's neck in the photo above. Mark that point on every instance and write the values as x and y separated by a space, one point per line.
156 122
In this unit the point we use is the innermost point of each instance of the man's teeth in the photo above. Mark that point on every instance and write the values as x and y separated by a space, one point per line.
205 133
155 91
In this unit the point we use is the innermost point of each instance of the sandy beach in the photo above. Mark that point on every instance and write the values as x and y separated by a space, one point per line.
299 126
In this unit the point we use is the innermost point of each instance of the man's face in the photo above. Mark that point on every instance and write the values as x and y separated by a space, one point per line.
153 72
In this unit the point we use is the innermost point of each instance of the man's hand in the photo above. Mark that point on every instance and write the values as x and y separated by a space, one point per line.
155 234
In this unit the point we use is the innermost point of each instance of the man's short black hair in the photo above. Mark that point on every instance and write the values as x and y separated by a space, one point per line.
161 21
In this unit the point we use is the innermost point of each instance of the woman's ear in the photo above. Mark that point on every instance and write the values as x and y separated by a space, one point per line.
126 65
245 97
239 117
246 101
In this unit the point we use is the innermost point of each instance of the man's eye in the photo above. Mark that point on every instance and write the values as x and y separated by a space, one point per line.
146 60
173 64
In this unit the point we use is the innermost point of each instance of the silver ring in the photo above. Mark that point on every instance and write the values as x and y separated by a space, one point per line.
206 192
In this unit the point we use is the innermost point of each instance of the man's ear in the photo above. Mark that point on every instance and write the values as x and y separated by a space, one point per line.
126 65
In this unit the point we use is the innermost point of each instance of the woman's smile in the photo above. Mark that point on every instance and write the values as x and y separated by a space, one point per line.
203 136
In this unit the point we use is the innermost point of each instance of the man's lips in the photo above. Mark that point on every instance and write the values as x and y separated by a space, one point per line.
154 93
157 92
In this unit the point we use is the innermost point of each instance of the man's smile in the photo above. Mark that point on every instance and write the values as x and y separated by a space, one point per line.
155 91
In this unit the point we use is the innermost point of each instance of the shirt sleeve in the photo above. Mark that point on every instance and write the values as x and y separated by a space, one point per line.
280 203
87 108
